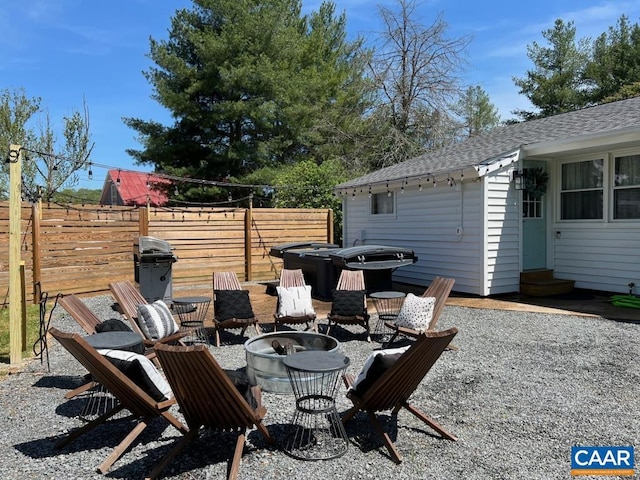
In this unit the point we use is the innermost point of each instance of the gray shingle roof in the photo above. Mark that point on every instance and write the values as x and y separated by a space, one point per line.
599 119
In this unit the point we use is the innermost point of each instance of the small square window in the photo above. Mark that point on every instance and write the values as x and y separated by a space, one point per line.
382 203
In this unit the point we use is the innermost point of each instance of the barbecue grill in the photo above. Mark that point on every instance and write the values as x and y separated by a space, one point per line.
152 262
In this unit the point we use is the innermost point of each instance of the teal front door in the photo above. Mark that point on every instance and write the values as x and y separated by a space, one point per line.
534 229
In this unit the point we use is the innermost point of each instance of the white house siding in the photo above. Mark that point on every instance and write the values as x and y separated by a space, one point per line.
598 257
502 239
427 222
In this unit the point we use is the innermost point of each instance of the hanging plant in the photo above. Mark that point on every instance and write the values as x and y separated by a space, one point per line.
535 182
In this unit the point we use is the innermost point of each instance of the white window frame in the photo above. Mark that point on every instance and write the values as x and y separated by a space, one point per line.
613 188
606 166
388 194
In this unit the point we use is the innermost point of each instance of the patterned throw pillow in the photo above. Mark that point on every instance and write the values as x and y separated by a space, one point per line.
156 321
348 303
230 304
141 371
294 301
376 364
416 312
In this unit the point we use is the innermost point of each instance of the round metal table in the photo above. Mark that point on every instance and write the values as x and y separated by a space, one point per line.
117 340
388 305
192 312
100 400
316 431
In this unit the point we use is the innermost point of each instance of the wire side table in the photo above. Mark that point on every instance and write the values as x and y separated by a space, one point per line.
316 431
192 312
388 305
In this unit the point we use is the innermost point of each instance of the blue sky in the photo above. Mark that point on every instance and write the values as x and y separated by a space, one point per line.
65 51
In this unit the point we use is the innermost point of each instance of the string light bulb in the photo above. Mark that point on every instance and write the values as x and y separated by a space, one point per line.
118 181
90 175
420 184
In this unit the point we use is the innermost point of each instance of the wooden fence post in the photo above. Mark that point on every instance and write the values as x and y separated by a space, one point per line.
35 251
143 221
248 222
330 233
15 218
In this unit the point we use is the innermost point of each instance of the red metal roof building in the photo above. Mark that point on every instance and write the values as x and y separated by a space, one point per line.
128 188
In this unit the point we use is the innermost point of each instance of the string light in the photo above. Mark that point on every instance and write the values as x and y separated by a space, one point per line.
118 179
420 184
90 175
369 190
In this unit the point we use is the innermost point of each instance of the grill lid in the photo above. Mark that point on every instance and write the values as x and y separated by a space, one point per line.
150 249
373 257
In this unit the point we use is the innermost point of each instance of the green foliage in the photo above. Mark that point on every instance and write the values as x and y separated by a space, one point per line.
33 327
477 112
78 196
251 84
615 64
555 84
47 166
309 185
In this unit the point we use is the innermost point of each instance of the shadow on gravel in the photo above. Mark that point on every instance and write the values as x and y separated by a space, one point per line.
107 435
63 382
208 448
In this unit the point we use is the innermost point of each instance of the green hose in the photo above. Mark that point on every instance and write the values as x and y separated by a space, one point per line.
627 301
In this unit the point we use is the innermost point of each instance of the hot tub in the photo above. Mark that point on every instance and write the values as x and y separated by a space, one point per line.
265 367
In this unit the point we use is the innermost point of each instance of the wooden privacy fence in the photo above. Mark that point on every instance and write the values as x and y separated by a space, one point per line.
80 249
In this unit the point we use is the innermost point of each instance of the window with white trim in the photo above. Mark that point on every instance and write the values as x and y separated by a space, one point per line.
382 203
626 187
581 191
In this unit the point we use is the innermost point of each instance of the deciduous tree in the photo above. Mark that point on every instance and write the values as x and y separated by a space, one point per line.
48 165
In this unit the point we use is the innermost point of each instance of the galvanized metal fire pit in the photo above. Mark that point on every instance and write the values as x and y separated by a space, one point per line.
265 366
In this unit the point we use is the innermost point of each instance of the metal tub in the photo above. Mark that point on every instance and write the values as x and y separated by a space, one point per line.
266 368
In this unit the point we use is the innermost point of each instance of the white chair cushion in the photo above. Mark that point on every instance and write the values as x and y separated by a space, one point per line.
416 312
156 321
373 368
141 371
294 301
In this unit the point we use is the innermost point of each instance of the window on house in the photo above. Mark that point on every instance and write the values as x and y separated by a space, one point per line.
382 203
531 206
626 187
581 194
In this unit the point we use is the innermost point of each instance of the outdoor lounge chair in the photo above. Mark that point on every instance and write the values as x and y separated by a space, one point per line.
90 323
80 313
439 288
231 305
129 395
392 388
294 307
349 304
128 298
208 398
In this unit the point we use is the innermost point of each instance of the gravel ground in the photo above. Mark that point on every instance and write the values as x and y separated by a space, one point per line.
520 391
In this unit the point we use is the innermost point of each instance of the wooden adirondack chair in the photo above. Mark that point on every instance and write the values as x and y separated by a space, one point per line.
350 281
128 298
129 396
391 391
224 319
80 313
89 321
294 278
439 288
207 398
